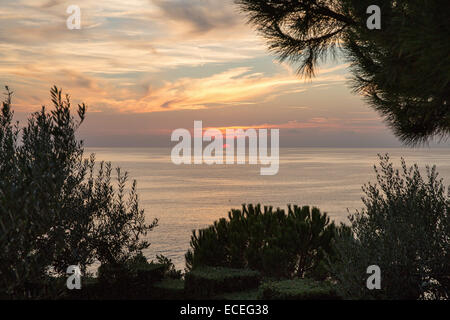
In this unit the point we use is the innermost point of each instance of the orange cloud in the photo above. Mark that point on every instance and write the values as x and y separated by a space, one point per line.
324 123
232 87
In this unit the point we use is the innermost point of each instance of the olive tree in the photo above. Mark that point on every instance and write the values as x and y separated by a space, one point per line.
56 208
404 228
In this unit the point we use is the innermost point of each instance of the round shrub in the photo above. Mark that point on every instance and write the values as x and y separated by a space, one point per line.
276 243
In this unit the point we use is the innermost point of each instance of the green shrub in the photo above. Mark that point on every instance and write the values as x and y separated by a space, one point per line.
133 279
169 270
270 241
405 230
207 282
91 289
169 289
239 295
297 289
136 278
150 274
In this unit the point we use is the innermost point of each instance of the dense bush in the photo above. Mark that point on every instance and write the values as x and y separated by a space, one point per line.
54 211
169 289
207 282
405 230
251 294
136 269
169 270
137 278
297 289
91 289
270 241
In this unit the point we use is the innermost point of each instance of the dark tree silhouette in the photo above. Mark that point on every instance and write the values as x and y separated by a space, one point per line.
56 208
403 69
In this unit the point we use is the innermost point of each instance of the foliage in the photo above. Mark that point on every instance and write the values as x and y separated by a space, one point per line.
210 281
175 284
270 241
119 221
169 289
133 279
402 69
137 278
405 230
239 295
169 268
297 289
54 211
91 289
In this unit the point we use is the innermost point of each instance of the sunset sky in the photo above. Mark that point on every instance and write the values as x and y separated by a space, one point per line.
147 67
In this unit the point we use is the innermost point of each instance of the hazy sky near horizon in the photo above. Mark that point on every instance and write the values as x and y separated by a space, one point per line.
147 67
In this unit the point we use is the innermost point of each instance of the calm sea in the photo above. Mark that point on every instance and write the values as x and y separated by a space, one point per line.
188 197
